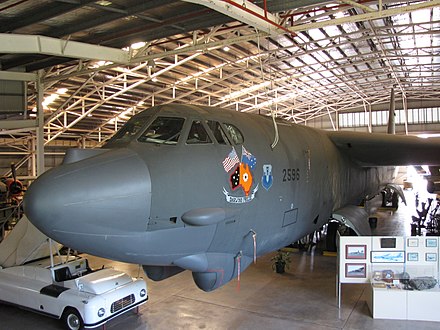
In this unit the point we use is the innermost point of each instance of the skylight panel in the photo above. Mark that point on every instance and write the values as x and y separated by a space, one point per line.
420 16
332 31
436 13
322 56
308 60
335 54
406 42
327 74
424 60
402 19
315 76
316 34
296 63
423 41
350 27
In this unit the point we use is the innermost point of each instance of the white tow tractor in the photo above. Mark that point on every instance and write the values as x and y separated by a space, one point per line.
66 288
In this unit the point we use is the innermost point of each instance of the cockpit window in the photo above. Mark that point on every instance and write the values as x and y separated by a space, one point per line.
130 129
163 130
234 133
198 134
218 132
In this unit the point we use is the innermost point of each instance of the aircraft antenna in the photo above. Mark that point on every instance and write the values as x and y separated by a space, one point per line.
276 138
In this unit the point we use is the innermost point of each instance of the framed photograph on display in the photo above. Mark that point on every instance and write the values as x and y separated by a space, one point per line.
387 256
388 243
431 256
355 270
413 242
431 242
412 256
356 252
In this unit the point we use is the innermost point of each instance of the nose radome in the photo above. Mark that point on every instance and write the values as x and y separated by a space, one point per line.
108 194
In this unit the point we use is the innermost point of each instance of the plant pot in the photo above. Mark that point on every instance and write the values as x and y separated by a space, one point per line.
373 222
280 267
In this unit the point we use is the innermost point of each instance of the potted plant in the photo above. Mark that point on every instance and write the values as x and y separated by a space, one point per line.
280 261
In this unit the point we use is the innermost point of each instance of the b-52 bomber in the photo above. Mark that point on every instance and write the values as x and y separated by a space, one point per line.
185 187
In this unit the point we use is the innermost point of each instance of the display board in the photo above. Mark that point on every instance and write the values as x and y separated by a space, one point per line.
403 272
362 257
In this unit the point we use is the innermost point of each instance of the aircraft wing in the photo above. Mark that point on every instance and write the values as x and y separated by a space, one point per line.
377 149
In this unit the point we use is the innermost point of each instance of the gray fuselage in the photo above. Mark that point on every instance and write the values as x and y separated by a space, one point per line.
159 203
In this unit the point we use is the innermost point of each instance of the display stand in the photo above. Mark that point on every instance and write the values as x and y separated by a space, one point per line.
387 304
403 273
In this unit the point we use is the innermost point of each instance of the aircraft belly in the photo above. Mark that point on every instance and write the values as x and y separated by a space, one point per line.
150 248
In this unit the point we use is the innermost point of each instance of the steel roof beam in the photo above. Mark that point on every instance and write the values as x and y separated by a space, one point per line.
246 12
367 16
36 44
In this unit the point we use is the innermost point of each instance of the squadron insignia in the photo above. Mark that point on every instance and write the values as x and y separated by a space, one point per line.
267 179
241 176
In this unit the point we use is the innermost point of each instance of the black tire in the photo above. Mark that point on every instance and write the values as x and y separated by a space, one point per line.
395 200
72 319
330 239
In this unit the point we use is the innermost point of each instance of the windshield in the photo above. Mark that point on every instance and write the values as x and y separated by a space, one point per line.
234 134
130 129
163 130
197 134
218 132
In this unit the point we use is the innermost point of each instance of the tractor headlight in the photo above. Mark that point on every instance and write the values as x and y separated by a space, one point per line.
143 293
101 312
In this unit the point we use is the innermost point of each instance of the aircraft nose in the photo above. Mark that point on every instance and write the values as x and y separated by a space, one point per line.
108 194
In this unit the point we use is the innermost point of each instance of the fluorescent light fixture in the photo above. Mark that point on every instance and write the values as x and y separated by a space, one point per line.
104 3
98 64
138 45
62 91
245 91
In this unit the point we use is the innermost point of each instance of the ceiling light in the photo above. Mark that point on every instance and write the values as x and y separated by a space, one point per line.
98 64
62 90
138 45
226 49
103 3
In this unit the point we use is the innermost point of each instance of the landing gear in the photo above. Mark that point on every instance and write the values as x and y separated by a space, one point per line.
390 198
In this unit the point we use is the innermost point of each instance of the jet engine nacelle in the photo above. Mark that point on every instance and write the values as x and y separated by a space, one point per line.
212 270
159 273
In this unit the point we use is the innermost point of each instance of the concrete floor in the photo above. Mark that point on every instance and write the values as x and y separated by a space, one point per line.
302 298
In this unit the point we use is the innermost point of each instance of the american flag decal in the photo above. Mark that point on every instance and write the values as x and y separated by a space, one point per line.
231 160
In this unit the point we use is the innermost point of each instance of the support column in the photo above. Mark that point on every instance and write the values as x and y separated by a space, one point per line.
405 109
32 165
40 128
